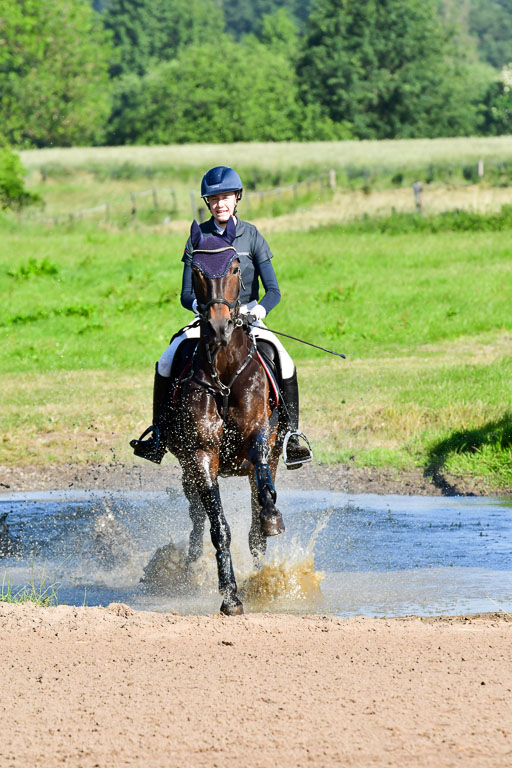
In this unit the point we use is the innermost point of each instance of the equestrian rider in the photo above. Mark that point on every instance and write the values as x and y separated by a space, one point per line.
221 189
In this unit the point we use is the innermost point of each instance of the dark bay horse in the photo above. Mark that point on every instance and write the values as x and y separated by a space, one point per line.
222 422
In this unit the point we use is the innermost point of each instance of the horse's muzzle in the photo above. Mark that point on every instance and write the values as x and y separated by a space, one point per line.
220 331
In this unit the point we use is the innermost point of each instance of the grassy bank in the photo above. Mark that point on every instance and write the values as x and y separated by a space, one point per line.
424 317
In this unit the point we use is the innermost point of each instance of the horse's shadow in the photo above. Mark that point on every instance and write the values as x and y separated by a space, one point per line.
467 441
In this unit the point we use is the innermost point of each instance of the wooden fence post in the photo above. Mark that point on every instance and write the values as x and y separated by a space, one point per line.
134 204
480 169
417 189
332 179
155 199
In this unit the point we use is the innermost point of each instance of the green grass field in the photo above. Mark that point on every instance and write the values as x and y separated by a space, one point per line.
111 178
424 318
279 156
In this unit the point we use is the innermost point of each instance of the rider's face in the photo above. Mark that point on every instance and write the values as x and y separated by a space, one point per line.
222 206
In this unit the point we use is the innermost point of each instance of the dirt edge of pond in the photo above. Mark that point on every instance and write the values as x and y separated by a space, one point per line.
111 686
344 478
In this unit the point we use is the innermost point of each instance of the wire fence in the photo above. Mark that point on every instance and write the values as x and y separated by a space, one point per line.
256 200
134 205
166 204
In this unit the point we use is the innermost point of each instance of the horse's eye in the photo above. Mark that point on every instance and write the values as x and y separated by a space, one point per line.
236 270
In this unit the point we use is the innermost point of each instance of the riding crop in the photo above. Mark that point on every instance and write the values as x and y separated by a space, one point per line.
280 333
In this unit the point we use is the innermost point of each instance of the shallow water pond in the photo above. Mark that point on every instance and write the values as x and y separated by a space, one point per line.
341 554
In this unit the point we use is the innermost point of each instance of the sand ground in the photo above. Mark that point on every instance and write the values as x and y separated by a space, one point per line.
102 687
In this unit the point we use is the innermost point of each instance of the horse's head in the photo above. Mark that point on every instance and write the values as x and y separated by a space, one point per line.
216 278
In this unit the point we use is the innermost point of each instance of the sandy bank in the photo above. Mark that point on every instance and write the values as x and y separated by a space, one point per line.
87 687
344 478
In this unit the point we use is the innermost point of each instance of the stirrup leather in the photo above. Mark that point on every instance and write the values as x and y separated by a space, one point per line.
301 436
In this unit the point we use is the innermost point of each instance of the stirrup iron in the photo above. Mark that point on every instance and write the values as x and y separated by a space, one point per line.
296 463
153 448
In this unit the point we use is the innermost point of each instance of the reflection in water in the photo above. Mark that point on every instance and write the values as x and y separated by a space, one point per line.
380 555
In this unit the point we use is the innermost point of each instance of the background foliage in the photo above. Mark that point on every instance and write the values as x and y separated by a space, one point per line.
54 84
75 72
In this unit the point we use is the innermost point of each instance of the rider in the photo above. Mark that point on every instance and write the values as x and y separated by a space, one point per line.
221 189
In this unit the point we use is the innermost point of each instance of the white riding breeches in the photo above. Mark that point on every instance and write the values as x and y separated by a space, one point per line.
258 330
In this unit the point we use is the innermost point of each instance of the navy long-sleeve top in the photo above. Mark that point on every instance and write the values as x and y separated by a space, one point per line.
255 262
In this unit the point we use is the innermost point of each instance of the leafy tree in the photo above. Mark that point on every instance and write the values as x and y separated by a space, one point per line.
12 181
279 32
491 23
147 32
245 17
497 106
387 67
247 93
54 86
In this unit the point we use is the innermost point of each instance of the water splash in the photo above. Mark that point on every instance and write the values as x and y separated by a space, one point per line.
169 573
288 580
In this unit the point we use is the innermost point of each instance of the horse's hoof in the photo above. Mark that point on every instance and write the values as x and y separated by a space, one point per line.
272 525
232 607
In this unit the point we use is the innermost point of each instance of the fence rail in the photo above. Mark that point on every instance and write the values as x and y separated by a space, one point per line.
164 200
167 201
255 199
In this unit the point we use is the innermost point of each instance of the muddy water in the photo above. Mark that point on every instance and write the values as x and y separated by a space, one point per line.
343 555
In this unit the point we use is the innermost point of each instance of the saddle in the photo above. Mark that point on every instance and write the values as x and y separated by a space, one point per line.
267 356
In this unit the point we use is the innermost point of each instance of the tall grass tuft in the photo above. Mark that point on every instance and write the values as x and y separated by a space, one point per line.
42 594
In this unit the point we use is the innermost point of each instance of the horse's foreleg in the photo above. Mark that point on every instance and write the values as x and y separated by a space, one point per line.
271 520
209 494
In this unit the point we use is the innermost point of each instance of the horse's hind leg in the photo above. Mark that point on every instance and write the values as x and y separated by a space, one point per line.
198 516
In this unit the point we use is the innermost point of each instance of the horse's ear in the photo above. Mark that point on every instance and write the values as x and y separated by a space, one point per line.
195 235
230 231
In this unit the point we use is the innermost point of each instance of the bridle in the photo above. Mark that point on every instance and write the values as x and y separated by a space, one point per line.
233 306
234 310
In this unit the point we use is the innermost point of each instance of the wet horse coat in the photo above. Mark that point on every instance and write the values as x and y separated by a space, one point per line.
222 422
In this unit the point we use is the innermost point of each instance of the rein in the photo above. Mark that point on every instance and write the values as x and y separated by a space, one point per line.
225 389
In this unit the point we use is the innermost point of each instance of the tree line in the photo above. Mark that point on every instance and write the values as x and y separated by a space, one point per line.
79 72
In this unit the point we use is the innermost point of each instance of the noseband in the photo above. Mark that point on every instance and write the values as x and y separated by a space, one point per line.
232 305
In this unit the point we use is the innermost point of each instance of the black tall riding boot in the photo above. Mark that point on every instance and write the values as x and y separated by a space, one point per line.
295 453
154 447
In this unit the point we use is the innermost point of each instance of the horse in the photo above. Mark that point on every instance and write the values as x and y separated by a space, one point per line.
222 422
